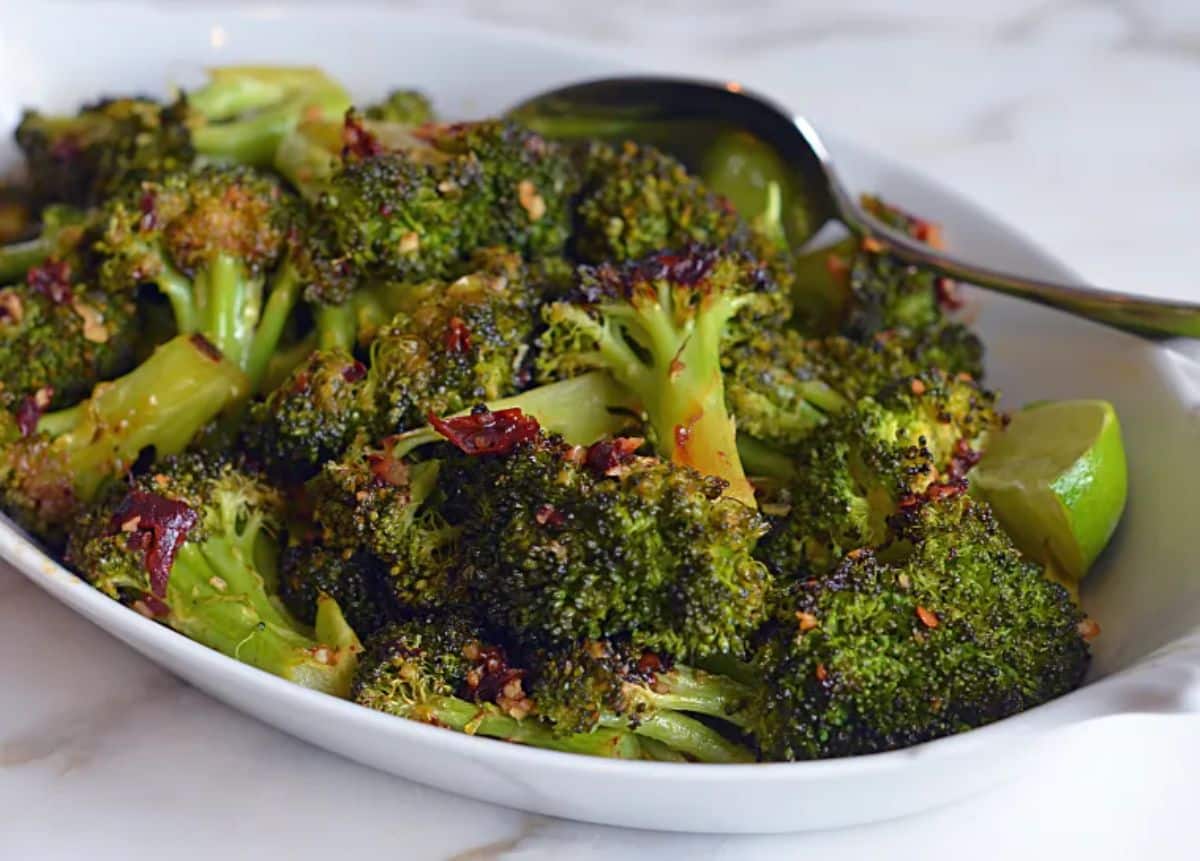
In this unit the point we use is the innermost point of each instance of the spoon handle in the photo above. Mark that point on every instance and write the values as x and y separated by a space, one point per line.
1153 318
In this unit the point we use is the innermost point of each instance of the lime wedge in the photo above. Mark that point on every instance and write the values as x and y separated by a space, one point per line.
1056 479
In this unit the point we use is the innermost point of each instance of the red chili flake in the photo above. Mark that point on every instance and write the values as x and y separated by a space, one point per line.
491 675
156 607
387 468
909 500
963 459
649 663
31 408
947 294
161 526
205 346
807 621
458 336
951 488
357 142
928 618
609 455
683 433
300 383
146 205
821 673
487 432
1088 628
354 372
917 385
548 515
52 279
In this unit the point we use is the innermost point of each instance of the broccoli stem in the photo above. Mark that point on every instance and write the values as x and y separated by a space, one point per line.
17 258
485 720
217 596
659 752
230 304
162 403
336 327
763 460
688 690
686 735
177 287
282 298
582 409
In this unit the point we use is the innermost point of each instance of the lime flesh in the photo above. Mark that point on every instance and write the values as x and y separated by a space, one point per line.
1056 479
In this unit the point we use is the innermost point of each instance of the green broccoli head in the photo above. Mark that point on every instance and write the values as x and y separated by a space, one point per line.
208 239
314 415
659 327
455 345
353 579
372 501
193 544
83 158
563 542
916 435
62 336
406 107
945 631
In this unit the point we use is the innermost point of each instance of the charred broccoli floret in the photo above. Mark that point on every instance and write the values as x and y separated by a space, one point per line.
193 544
919 436
601 683
948 629
446 672
309 570
659 327
214 241
562 542
373 501
61 337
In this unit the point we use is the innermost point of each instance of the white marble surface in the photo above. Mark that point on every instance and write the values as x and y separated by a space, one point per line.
1076 119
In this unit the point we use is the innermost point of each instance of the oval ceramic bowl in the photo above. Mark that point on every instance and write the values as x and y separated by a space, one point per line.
1145 593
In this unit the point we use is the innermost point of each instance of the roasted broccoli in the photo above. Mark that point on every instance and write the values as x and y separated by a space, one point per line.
445 672
354 579
194 545
240 115
406 107
600 683
946 629
659 326
563 542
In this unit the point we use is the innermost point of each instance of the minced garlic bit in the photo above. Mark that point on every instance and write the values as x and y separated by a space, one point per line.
409 243
94 329
530 200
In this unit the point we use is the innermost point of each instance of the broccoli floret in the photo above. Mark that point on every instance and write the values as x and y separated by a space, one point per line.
601 683
240 115
858 469
84 158
945 631
455 345
353 579
446 672
193 545
659 326
407 107
61 337
418 212
213 241
562 542
313 415
373 501
54 464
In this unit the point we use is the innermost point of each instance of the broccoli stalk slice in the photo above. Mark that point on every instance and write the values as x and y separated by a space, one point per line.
682 733
163 403
336 326
669 359
282 298
488 721
250 109
581 409
684 689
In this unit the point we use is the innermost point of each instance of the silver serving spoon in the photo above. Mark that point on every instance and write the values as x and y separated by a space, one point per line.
678 113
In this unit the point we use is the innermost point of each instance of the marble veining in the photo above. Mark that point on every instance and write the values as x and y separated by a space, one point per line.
1075 119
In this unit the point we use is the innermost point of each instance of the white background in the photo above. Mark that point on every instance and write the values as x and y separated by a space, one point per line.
1077 121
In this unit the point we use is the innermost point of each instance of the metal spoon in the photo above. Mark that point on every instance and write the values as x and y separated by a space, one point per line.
672 111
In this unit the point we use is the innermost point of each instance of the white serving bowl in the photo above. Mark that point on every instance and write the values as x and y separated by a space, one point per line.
1145 593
